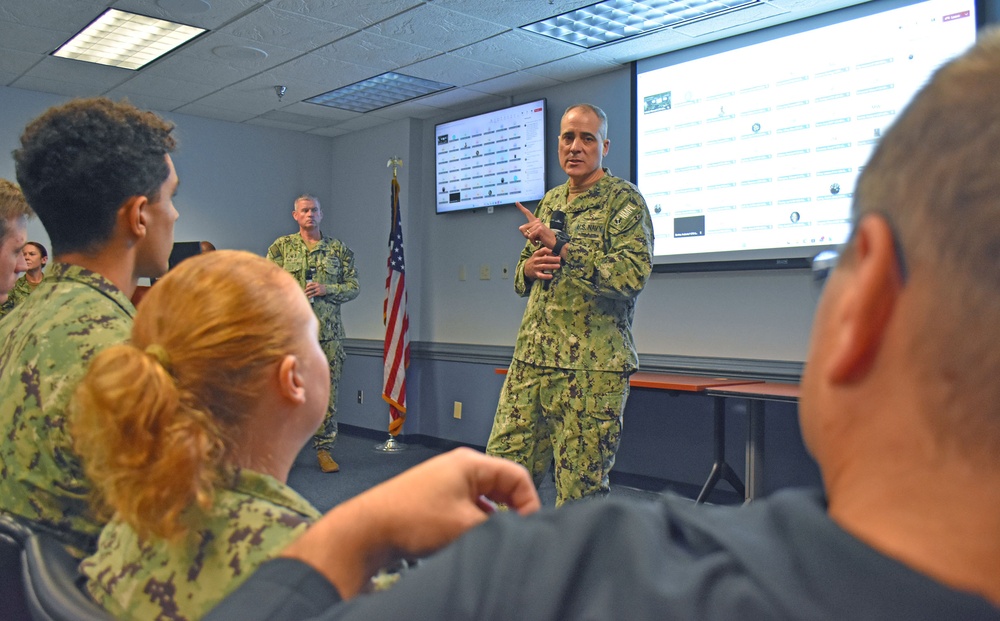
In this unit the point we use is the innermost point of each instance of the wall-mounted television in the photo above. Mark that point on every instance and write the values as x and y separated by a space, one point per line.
491 159
747 149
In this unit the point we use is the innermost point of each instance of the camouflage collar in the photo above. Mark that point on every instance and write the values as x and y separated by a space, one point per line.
264 486
58 272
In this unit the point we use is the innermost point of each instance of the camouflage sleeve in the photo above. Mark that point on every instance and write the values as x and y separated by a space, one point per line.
622 269
348 288
7 306
15 297
274 255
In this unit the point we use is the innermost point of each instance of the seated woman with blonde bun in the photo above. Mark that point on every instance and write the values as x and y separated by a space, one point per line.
189 432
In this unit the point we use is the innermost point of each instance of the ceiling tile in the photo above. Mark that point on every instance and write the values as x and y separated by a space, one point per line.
740 21
14 36
573 67
183 66
299 119
263 122
326 113
257 100
212 112
241 54
147 101
18 62
45 85
512 84
90 75
409 109
326 72
295 32
347 12
216 14
655 43
437 28
64 15
461 98
453 70
159 86
513 13
516 49
375 51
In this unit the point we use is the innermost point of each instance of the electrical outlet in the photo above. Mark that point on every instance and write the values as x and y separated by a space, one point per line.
484 272
457 413
361 396
461 272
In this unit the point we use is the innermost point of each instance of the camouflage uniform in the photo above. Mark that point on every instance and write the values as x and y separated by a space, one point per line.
46 343
334 265
565 391
155 579
22 289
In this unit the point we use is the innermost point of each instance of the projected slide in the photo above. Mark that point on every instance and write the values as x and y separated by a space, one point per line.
760 147
491 159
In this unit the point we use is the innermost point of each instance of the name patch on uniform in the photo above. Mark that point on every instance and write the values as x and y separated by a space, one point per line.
626 219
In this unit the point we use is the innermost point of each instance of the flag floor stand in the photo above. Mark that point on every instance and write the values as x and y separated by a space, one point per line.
392 445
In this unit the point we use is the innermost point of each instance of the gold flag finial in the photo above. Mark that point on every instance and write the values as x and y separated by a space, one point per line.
394 161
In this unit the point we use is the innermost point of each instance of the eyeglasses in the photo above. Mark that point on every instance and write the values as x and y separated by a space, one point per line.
824 262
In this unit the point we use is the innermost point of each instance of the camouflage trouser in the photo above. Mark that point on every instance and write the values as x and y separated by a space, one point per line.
326 436
569 418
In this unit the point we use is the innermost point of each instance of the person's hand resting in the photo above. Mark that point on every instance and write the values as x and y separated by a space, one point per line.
437 501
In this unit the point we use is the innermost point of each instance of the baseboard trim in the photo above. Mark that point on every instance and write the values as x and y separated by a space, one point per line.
500 356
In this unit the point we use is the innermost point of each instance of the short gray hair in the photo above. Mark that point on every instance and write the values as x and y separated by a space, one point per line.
603 118
305 197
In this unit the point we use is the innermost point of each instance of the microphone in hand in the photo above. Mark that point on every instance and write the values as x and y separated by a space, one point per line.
557 223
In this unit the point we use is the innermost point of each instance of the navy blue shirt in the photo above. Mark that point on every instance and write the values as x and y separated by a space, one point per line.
778 558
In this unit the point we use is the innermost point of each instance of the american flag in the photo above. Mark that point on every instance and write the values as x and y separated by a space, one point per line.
396 355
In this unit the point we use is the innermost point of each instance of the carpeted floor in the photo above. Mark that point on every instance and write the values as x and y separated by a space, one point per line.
362 467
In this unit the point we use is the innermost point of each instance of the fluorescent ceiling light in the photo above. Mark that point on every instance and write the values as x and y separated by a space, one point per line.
378 92
126 40
615 20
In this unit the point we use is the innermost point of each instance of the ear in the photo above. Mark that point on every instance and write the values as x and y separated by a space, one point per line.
606 147
869 290
132 214
290 383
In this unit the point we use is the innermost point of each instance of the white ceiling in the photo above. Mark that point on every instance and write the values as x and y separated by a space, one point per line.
313 46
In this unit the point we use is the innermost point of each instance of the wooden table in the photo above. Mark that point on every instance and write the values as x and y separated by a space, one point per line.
756 395
695 383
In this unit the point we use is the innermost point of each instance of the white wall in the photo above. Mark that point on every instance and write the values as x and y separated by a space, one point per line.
237 182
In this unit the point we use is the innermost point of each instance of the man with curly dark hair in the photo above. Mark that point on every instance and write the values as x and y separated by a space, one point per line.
99 175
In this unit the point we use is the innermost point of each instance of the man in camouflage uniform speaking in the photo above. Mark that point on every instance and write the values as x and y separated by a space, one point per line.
566 388
100 178
324 267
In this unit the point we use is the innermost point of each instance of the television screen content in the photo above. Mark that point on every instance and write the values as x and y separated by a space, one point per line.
491 159
748 149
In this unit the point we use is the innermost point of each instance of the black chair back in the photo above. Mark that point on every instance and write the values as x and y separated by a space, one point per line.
13 534
52 583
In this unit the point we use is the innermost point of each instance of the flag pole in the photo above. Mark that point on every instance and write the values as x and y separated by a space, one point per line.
396 356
